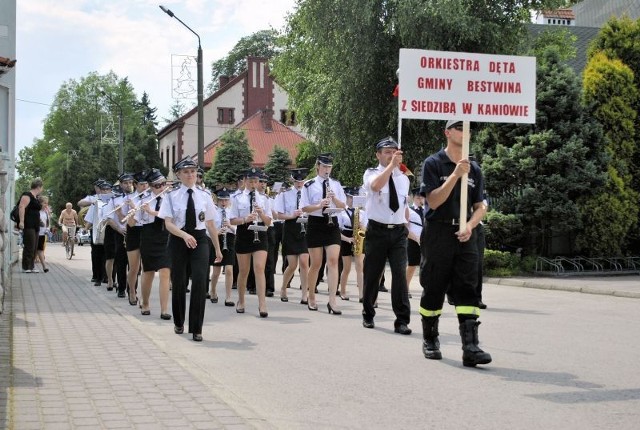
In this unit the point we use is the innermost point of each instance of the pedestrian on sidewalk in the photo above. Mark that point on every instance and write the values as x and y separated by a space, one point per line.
29 222
45 221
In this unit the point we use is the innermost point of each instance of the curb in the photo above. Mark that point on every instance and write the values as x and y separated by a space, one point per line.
571 288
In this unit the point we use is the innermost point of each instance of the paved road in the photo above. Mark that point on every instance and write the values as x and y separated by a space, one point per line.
82 358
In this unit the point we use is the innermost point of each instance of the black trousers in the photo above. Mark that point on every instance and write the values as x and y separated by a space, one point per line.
97 262
448 264
482 243
272 256
381 244
199 259
278 228
120 261
29 247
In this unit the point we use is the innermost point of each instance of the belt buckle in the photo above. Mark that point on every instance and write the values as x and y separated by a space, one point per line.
455 221
390 226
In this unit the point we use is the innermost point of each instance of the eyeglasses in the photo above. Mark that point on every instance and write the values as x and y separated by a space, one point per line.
157 186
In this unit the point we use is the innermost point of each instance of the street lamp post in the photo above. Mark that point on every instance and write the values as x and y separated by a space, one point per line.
200 90
120 132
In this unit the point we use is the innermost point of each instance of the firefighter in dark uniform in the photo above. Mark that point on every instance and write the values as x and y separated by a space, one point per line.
186 213
387 209
451 256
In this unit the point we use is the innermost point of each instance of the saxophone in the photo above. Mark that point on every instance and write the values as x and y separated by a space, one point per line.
358 234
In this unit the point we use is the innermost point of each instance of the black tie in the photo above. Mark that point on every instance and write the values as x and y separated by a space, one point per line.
298 199
251 197
420 212
158 221
190 217
393 196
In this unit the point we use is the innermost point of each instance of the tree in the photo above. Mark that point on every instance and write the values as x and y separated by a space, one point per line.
611 214
540 171
278 165
618 39
233 158
80 137
339 60
176 110
258 44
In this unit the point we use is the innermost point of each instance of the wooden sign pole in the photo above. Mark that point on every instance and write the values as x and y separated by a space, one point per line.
464 187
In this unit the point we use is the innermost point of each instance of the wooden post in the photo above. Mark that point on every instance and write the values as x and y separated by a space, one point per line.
464 187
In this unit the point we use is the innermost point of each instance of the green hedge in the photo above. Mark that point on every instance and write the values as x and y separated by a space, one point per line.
500 264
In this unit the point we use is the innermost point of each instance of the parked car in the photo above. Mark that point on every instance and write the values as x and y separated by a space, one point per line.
83 237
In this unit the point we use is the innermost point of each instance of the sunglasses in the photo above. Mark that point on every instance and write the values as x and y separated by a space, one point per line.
157 186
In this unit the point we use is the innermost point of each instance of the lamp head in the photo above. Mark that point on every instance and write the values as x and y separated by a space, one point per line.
167 11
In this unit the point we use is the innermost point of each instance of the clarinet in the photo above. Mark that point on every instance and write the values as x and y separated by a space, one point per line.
256 239
223 229
327 191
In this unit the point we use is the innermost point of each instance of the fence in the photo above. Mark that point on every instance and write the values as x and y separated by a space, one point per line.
559 266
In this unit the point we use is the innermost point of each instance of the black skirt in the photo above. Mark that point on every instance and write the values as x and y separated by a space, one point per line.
413 253
245 240
228 256
346 248
153 247
294 242
133 237
320 233
109 243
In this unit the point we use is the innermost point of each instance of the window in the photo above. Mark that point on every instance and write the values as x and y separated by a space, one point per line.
226 115
288 117
173 154
168 160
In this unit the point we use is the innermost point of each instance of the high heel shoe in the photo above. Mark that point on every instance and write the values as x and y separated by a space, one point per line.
312 308
335 311
304 302
263 314
239 310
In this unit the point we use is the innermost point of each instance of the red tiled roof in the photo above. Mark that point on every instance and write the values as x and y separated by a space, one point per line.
559 13
261 141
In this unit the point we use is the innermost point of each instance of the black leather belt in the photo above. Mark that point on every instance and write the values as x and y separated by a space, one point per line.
381 225
448 221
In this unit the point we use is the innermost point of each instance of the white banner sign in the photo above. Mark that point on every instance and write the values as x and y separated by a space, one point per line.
469 87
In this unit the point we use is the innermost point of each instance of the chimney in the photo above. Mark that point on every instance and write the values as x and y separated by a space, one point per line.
224 80
267 116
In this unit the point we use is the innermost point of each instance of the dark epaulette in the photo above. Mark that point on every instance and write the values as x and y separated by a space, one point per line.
309 182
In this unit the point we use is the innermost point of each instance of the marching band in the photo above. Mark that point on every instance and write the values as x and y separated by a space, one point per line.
187 233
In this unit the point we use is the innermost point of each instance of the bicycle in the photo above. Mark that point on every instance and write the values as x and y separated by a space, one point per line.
70 242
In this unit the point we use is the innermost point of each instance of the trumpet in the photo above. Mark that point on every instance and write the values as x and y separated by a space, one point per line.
103 222
133 211
223 229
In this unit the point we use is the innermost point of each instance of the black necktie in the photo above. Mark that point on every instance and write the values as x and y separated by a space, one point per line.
393 196
190 217
299 194
251 197
158 220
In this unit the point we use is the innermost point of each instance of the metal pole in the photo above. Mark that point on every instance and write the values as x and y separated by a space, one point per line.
200 109
121 149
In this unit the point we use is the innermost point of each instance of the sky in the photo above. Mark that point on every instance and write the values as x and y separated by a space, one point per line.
60 40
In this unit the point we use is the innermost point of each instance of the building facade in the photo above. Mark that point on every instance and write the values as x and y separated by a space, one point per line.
8 244
237 99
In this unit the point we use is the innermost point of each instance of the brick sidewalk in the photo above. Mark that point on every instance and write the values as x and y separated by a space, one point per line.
77 362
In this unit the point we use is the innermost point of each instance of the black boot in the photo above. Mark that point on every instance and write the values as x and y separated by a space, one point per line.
472 354
430 343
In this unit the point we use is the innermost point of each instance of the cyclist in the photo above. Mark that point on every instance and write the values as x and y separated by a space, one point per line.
68 220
